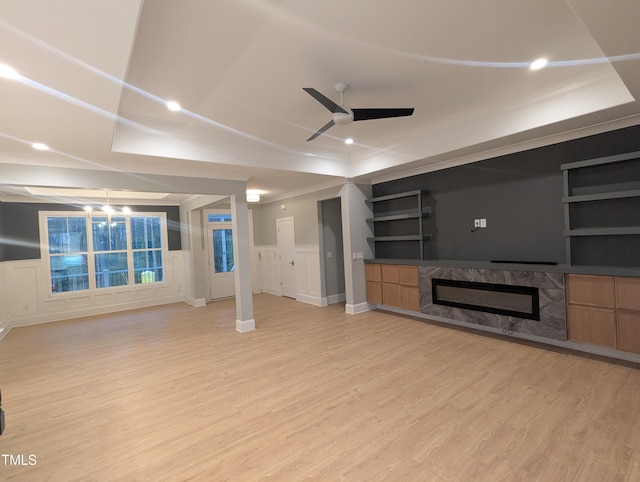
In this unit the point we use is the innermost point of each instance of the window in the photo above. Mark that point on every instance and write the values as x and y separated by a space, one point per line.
223 250
68 254
146 240
110 251
219 217
101 252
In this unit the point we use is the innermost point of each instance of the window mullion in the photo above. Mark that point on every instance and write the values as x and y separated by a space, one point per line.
132 274
91 254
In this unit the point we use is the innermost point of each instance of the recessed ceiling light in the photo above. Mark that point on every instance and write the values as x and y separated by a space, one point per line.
348 141
253 195
173 106
8 72
39 146
538 64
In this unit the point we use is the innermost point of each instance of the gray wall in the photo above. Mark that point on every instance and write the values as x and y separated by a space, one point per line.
519 195
331 223
304 210
20 231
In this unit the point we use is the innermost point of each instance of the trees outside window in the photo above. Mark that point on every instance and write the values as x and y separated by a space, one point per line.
120 250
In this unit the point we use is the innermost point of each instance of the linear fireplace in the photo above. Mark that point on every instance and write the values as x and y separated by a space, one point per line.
518 301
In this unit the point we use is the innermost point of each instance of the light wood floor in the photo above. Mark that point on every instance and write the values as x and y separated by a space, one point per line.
175 393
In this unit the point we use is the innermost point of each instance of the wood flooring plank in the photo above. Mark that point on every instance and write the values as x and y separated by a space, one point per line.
175 393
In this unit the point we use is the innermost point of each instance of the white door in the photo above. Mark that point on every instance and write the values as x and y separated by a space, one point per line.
287 256
221 261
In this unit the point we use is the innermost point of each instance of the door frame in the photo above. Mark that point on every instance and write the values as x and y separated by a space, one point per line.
293 290
230 275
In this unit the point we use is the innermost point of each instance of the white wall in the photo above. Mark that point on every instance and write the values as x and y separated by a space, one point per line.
307 263
25 299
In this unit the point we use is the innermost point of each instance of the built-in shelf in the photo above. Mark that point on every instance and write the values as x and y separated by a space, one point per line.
398 218
602 196
603 231
408 237
601 210
394 196
426 212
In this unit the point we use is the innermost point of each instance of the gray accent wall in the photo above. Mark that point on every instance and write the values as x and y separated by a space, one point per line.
20 231
520 195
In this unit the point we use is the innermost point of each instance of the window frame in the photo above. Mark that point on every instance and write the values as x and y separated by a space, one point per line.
43 217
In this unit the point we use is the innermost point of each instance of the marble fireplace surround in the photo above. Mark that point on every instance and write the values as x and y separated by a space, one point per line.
552 323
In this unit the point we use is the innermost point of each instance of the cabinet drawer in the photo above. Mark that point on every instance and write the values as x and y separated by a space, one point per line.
590 290
628 293
629 332
372 272
408 275
591 325
390 273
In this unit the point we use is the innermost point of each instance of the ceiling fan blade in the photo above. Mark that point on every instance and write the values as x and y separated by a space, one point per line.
322 129
366 114
325 101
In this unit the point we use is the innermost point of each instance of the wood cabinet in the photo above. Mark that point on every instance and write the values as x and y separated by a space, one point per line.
393 285
373 276
604 310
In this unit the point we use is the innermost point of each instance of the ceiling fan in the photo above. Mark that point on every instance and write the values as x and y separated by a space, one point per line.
344 115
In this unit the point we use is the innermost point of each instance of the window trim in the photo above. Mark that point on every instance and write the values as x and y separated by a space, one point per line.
93 289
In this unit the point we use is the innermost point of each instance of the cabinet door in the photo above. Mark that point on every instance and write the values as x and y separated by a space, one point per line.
629 332
591 325
374 292
590 290
372 272
391 295
628 293
410 298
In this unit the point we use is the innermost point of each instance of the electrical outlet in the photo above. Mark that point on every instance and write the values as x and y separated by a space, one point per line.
483 223
476 223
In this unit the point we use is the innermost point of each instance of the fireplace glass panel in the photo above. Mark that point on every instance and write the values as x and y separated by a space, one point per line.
520 301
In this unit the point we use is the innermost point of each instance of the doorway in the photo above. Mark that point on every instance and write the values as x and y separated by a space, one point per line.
332 252
221 256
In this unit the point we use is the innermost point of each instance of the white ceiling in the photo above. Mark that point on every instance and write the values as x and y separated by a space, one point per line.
95 75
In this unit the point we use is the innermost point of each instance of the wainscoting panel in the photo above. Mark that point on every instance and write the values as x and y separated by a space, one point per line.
25 297
308 271
269 270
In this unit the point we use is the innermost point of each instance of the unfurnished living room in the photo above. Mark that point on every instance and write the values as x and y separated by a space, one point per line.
365 240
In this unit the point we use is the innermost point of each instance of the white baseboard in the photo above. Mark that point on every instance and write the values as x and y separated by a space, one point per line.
36 319
356 309
195 302
339 298
312 300
243 326
272 291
